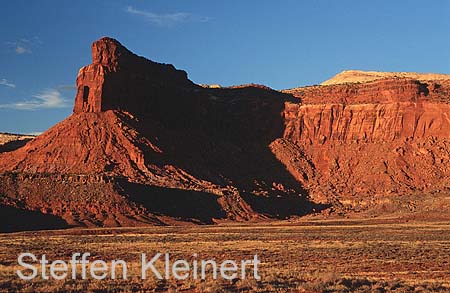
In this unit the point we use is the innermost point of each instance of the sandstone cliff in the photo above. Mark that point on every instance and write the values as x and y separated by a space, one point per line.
364 143
119 79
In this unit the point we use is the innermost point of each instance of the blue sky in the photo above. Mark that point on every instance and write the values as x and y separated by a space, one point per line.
282 44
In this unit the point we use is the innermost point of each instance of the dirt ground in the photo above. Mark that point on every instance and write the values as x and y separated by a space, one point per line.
302 256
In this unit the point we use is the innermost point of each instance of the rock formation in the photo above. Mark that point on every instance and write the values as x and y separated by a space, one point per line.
366 142
120 80
375 111
353 76
145 146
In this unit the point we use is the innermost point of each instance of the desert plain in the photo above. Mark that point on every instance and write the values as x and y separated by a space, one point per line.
346 255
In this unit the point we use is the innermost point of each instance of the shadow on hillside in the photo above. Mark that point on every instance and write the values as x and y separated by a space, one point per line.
14 219
13 145
186 205
223 136
282 207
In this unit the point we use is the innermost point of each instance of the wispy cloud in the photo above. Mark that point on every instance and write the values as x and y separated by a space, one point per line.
7 83
169 19
24 45
21 50
47 99
67 87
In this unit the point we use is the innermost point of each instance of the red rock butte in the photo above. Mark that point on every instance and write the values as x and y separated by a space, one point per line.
146 146
118 79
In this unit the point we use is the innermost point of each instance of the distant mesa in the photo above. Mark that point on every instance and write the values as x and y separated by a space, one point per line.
352 76
10 142
211 86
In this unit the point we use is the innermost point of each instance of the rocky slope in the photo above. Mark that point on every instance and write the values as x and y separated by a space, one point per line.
146 146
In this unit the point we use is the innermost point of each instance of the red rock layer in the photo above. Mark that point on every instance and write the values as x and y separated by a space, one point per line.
374 122
380 91
348 143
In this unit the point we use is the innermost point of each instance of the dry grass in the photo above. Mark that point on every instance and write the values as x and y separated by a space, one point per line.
305 257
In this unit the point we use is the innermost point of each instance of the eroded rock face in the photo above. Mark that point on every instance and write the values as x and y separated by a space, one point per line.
380 91
377 111
355 143
374 122
120 80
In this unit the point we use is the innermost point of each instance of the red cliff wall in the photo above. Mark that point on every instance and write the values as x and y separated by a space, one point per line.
380 91
354 142
378 122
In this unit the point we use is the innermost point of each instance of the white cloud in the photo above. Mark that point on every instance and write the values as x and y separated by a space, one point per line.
5 82
169 19
33 40
47 99
24 45
36 133
22 50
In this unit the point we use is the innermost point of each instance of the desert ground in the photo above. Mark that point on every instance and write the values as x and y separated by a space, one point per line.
347 255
